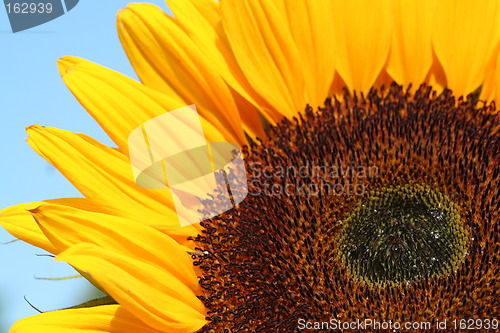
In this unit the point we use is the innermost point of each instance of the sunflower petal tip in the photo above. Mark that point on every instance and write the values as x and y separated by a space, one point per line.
35 211
135 5
67 63
34 127
121 13
128 10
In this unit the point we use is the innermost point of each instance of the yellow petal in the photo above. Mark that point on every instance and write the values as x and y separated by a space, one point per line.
201 20
204 15
496 92
265 51
491 80
363 30
310 24
411 52
436 77
250 115
103 175
66 226
183 235
167 60
105 94
105 319
285 49
465 33
19 222
155 295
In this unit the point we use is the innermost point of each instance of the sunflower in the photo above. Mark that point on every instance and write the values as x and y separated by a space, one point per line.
372 161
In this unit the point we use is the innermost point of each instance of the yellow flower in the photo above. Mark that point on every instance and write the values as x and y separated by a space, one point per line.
247 62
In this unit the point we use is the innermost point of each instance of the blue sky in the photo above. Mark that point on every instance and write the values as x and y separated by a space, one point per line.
32 92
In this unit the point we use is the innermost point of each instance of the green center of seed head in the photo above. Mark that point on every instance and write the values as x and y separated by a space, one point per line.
400 234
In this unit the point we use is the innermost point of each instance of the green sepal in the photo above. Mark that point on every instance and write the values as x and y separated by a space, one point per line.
60 278
106 300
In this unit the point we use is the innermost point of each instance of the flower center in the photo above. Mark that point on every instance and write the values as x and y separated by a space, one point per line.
377 207
402 233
